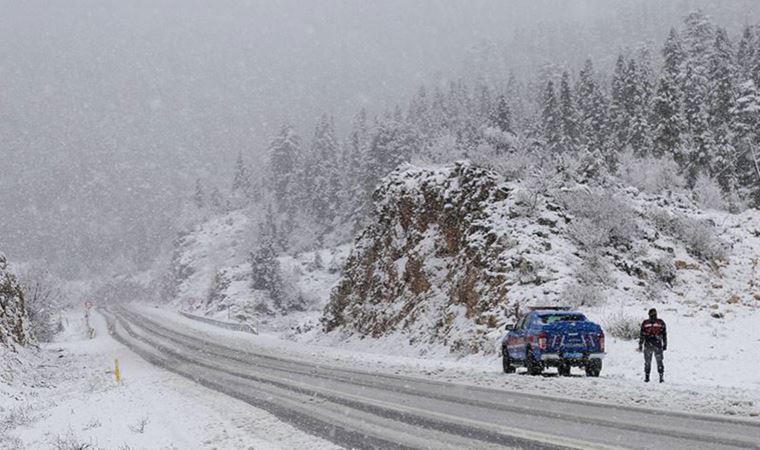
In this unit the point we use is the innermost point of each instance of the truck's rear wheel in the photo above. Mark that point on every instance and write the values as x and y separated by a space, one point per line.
534 367
564 370
594 368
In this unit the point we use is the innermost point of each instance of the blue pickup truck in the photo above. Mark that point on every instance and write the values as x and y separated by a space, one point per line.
553 337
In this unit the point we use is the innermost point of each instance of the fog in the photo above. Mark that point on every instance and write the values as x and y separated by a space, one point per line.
110 110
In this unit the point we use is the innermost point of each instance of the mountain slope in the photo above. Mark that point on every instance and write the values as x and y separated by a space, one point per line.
453 253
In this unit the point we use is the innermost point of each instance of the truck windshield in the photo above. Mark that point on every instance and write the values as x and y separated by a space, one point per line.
551 318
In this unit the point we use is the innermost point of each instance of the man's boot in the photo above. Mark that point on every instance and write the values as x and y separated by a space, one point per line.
662 378
646 378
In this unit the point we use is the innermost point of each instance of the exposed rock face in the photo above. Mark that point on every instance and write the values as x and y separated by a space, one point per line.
428 262
14 329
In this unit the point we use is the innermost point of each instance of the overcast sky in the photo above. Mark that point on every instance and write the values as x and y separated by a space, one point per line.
110 109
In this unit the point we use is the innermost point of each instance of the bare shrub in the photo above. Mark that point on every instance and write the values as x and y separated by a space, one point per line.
665 269
576 294
16 417
70 442
622 326
513 165
708 193
139 427
601 219
94 423
699 236
10 442
702 240
648 174
594 271
43 296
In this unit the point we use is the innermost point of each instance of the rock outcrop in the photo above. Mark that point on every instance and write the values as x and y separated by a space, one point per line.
429 262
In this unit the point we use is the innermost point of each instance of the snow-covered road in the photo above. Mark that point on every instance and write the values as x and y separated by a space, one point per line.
69 399
360 408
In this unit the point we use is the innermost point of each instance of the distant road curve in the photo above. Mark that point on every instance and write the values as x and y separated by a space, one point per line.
358 409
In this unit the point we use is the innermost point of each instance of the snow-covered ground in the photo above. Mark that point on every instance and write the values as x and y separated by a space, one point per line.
70 396
699 379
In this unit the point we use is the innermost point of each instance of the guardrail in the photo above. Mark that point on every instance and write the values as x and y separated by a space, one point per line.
235 326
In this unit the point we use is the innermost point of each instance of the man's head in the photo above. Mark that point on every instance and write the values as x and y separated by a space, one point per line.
652 313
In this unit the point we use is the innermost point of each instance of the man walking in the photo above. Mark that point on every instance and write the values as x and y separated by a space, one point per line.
654 340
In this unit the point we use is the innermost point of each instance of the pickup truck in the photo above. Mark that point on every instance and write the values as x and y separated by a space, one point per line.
553 337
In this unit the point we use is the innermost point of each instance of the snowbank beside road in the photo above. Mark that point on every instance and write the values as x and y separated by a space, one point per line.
150 409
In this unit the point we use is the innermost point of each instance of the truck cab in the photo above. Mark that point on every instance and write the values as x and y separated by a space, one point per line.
553 337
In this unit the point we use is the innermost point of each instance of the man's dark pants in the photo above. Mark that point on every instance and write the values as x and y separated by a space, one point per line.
657 351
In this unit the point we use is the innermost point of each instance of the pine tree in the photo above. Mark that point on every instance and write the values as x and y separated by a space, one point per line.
592 107
746 114
699 142
569 116
265 270
501 115
698 37
216 200
419 113
745 55
673 55
637 109
485 102
241 180
391 144
514 95
667 118
284 154
325 181
199 197
721 75
354 166
619 105
551 121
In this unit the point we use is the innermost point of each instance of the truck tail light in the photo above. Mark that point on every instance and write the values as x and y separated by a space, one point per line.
543 340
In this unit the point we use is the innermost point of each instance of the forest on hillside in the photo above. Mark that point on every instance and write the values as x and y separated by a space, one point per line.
682 116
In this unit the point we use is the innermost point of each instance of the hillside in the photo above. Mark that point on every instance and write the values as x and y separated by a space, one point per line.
211 275
452 253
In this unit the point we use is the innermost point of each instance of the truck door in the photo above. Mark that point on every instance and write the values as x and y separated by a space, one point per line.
517 340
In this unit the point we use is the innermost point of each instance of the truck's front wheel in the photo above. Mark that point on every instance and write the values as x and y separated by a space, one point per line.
593 368
508 367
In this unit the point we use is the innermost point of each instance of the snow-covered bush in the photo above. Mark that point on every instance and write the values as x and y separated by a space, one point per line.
265 272
14 322
665 269
622 326
708 193
600 219
70 441
577 294
651 175
701 239
594 271
43 296
698 235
